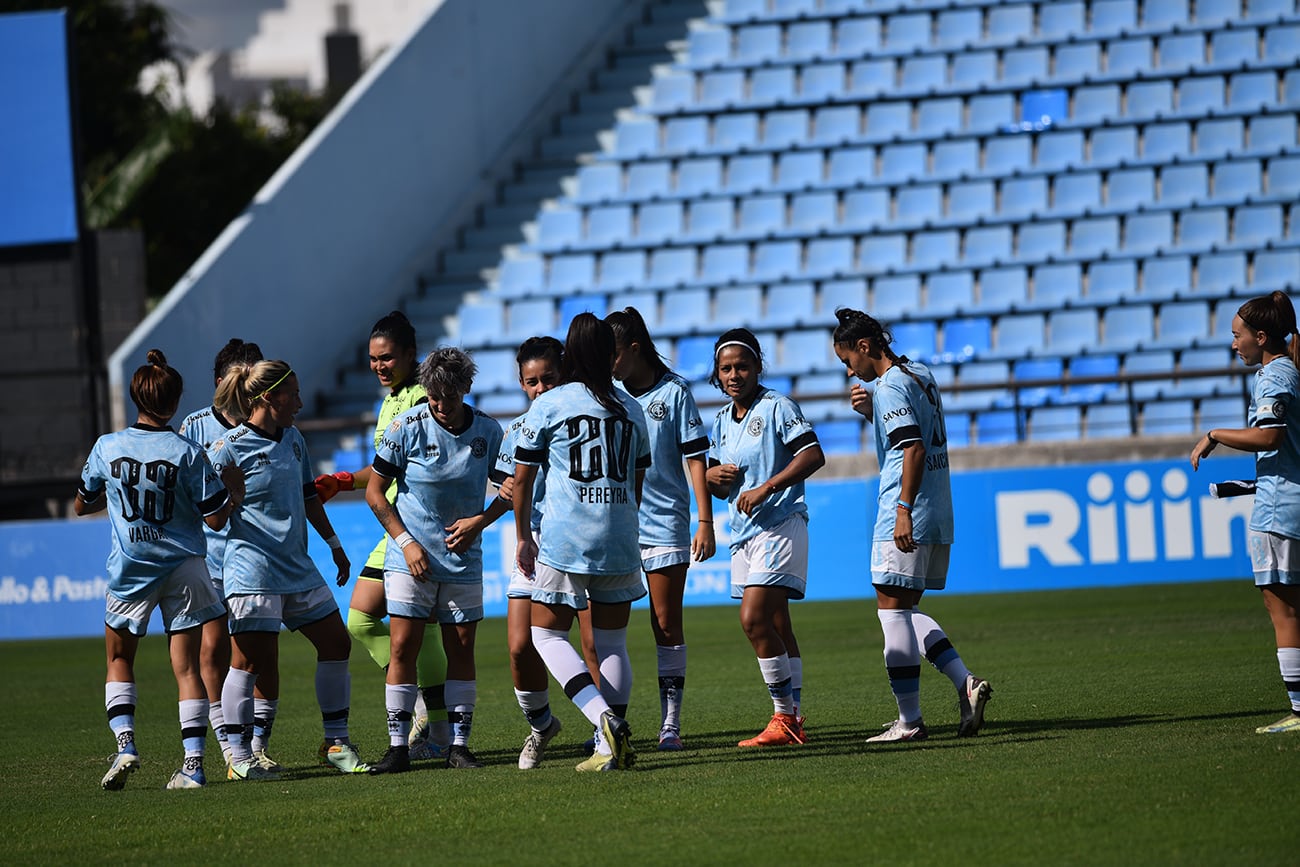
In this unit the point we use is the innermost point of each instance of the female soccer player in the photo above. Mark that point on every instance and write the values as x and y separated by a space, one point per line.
1260 333
205 427
761 452
269 577
667 546
539 360
159 490
393 360
913 533
441 455
593 442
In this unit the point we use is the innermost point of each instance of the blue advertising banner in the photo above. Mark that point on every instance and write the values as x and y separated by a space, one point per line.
1034 528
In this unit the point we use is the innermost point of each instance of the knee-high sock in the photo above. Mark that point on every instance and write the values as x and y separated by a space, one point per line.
334 694
217 720
194 726
937 647
902 661
615 667
461 698
370 632
672 683
1288 660
264 711
536 705
399 699
237 701
568 668
431 668
119 705
796 682
776 674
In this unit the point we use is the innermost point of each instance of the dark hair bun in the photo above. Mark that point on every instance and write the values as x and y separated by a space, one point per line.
156 358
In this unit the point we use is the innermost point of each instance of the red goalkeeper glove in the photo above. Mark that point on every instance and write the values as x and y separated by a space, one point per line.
328 486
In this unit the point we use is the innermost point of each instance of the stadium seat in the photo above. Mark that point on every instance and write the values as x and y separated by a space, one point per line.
1219 137
1164 14
724 262
1222 412
809 350
659 221
935 249
834 294
1178 51
1184 185
938 117
599 182
521 276
1148 233
1128 57
1110 281
949 292
623 269
1095 104
559 228
1062 19
1022 197
865 209
857 37
1257 225
1113 145
1006 23
997 427
836 123
732 132
1029 369
672 266
956 158
1003 288
799 170
1057 285
957 27
699 177
1041 240
1238 180
785 128
647 304
1165 141
1282 42
777 260
850 166
1108 421
1056 423
957 425
708 45
916 340
762 214
1126 189
907 31
808 39
607 225
1059 151
1152 361
1207 358
881 253
686 135
813 211
987 245
722 88
1020 334
1088 366
1200 95
530 316
1006 154
888 119
895 297
789 304
1276 269
694 357
757 44
966 338
924 72
1272 132
994 374
830 257
1252 90
1201 229
1094 237
571 305
636 137
990 112
748 174
1220 273
1234 47
1284 176
839 436
820 81
971 201
870 77
673 89
1127 327
975 68
1165 277
1024 65
741 303
1184 324
1071 331
1167 418
480 322
648 180
1075 192
710 218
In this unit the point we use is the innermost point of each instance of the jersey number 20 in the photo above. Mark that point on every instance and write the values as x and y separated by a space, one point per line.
600 450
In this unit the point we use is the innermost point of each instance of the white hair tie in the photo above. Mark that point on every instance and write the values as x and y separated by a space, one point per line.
718 352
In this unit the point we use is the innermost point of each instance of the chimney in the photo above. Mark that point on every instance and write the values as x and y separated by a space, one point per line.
342 53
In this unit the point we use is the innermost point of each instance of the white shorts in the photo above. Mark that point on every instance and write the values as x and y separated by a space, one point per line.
452 602
555 587
521 586
926 568
1274 559
264 612
185 596
656 557
774 558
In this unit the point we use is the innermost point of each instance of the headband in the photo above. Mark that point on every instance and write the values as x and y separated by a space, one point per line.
721 346
273 386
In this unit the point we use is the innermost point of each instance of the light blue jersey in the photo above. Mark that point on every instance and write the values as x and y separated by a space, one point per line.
206 427
676 432
909 410
160 486
1276 403
266 543
442 476
591 457
506 467
761 445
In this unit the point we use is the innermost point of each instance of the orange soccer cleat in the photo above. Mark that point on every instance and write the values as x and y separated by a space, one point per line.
783 730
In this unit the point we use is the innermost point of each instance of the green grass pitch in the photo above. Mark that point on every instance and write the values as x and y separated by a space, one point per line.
1121 730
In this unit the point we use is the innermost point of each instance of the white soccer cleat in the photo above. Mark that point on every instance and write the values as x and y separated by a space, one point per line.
121 766
265 762
535 745
975 695
1288 723
250 771
900 731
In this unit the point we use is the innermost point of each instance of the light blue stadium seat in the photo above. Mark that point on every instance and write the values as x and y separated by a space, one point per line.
1184 184
902 162
987 245
761 214
623 269
1086 366
1062 19
738 303
1003 288
1126 327
995 427
647 304
1028 369
785 128
673 89
1234 47
888 119
571 273
599 182
672 266
1222 412
793 8
850 166
1008 153
836 123
1219 137
955 158
1071 331
823 80
1020 334
936 249
607 225
1148 233
1094 104
957 425
659 221
949 291
1276 269
1282 42
916 340
502 404
994 374
481 322
830 257
971 201
1167 418
647 180
937 117
521 276
571 305
699 177
1164 141
821 383
1203 228
1201 94
1024 65
778 260
1284 176
925 72
1291 87
749 173
1078 61
1075 192
1166 276
1217 10
559 228
789 304
857 37
867 77
896 296
731 132
1058 284
966 338
529 316
1178 51
907 31
839 436
1112 145
636 137
1238 180
723 88
1252 89
708 45
1165 13
974 68
805 350
957 27
1056 424
740 10
686 310
1059 150
686 134
757 44
834 294
1146 99
1209 358
694 357
799 170
1024 196
1256 225
1128 57
810 212
1272 132
724 262
1129 188
866 208
1041 240
1152 361
1111 16
709 218
1010 22
1113 280
880 253
1093 237
1107 421
808 39
989 112
1220 273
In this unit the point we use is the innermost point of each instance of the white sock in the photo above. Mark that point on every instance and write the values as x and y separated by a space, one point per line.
936 646
776 674
461 697
672 684
615 666
264 711
536 705
796 682
566 666
119 704
902 661
399 700
1288 661
333 694
237 700
194 725
217 720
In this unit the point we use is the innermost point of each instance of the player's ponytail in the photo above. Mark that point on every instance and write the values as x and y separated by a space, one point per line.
156 387
235 352
589 359
244 385
629 327
1274 314
854 325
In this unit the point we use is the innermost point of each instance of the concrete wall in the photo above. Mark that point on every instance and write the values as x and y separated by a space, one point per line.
347 226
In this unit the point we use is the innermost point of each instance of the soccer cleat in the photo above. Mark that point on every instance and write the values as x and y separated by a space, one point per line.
397 760
535 745
189 776
899 731
424 746
251 771
670 741
419 730
265 762
344 756
598 762
1288 723
783 730
975 695
121 766
459 756
618 737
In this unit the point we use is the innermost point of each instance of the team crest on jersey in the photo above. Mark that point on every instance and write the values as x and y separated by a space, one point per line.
478 448
297 452
218 444
657 410
395 426
1276 409
755 427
